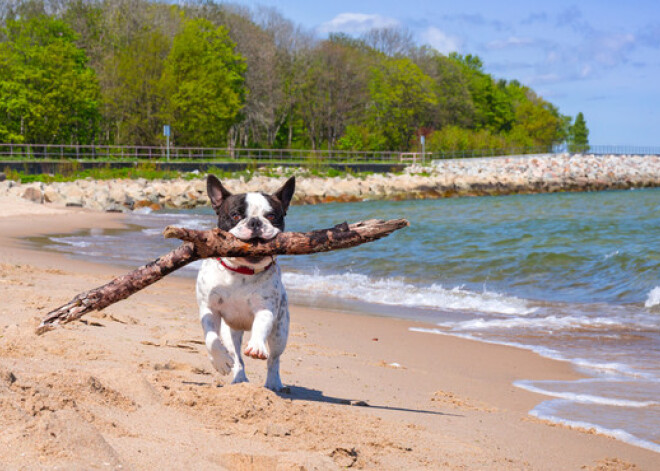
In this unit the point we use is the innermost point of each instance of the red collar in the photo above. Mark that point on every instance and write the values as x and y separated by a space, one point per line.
242 269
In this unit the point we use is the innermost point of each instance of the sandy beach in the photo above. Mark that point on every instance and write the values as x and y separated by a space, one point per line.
132 388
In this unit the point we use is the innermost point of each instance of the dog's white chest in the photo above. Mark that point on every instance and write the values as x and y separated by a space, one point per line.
235 297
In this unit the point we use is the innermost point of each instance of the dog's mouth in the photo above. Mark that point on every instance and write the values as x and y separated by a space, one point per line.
254 241
257 240
253 259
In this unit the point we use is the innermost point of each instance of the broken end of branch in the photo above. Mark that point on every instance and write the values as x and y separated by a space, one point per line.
172 232
43 328
396 224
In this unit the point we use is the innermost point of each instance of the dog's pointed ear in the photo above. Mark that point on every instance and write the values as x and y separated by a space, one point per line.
285 193
217 193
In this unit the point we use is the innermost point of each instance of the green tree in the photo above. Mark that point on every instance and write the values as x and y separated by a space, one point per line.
47 92
453 139
455 105
361 138
133 95
334 92
203 79
493 106
537 122
578 140
400 95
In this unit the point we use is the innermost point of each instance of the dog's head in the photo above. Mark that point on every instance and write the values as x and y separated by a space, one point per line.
250 216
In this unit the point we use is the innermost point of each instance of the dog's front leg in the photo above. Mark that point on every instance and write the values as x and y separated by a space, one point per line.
219 355
261 327
232 339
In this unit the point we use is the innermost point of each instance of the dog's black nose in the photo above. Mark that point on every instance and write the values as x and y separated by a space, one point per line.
254 224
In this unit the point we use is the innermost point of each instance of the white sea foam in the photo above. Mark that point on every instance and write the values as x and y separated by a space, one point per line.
545 323
398 293
72 241
653 300
196 223
540 412
611 254
584 398
157 220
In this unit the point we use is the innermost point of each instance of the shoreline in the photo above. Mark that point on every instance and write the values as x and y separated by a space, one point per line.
547 173
145 352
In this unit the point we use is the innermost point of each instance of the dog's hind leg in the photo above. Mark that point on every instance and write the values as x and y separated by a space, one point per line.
220 357
276 344
232 339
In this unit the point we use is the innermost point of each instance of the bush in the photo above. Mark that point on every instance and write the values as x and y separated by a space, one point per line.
359 138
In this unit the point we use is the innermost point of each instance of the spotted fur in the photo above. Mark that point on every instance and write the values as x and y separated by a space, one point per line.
231 303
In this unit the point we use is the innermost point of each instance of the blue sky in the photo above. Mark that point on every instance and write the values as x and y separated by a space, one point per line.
598 57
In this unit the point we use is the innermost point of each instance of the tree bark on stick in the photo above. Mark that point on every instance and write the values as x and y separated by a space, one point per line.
217 243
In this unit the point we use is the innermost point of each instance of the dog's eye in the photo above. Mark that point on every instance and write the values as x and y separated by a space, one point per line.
236 217
270 217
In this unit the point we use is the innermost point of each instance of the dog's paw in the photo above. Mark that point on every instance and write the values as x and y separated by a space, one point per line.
256 350
222 361
275 385
239 377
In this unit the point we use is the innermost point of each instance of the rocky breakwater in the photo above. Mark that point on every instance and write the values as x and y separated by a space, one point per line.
549 173
446 178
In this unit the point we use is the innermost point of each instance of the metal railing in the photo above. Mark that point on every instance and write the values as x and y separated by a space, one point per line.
211 154
303 156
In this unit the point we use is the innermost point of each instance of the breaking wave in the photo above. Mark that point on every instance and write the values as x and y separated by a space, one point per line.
653 299
396 292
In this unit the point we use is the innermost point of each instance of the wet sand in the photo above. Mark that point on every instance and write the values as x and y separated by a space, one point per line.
132 388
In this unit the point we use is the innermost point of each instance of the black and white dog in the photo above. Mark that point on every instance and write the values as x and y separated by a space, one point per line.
239 294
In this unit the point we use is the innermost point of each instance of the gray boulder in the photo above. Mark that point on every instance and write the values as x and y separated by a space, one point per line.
51 195
73 195
34 194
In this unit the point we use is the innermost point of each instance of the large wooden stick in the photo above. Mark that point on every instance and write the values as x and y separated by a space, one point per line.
217 243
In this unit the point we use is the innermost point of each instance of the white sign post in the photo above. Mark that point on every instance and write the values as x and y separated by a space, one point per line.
422 139
166 133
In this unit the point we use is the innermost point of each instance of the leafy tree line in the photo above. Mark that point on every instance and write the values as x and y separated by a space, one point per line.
116 71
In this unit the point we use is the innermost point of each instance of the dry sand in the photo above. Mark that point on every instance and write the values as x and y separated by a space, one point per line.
132 388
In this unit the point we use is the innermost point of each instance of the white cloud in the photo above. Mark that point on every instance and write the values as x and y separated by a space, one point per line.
544 79
356 23
611 49
441 41
511 41
553 57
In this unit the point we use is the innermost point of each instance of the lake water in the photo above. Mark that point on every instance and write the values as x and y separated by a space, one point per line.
575 277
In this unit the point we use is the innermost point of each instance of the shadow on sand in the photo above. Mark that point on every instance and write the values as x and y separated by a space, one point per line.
300 393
